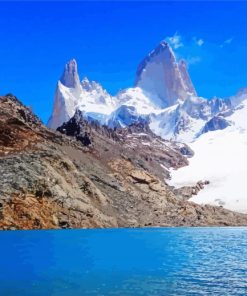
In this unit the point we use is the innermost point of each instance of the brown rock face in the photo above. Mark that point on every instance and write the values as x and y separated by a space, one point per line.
51 180
29 212
16 126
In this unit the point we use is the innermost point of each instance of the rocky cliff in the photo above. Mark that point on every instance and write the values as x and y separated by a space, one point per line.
159 73
91 176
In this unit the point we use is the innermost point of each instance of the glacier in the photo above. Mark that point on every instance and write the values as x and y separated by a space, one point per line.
220 157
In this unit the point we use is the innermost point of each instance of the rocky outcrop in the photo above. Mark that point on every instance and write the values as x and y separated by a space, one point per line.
215 123
186 192
137 142
51 180
77 127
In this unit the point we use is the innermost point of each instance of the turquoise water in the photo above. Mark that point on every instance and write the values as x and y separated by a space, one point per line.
166 261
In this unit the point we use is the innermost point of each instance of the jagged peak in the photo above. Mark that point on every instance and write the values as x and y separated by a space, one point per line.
92 85
162 75
86 84
85 80
162 47
70 77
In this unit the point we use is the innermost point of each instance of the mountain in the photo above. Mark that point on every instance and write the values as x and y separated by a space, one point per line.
70 77
220 156
160 74
88 176
186 121
71 94
161 81
163 96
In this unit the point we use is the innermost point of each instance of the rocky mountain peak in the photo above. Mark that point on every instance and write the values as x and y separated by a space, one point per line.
186 77
163 47
163 96
161 75
85 83
70 77
91 85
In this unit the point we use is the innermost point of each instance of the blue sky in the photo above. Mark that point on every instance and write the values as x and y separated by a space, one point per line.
109 39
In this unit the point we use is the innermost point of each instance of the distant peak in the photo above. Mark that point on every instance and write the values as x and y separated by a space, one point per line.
70 77
160 74
71 65
163 46
86 84
91 85
85 80
72 62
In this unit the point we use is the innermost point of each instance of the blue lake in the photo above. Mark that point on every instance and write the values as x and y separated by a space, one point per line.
161 261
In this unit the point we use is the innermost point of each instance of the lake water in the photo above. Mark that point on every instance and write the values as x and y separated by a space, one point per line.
161 261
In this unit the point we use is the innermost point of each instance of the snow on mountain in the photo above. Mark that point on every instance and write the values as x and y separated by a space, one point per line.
93 98
124 116
161 81
164 97
220 157
142 101
71 94
186 120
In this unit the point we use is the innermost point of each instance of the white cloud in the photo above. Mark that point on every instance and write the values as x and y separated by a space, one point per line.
175 41
226 42
199 41
193 60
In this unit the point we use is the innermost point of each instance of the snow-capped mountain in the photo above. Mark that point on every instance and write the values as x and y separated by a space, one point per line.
164 97
71 94
220 157
160 74
161 82
185 121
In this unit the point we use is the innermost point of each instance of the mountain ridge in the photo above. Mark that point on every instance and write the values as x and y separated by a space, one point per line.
163 95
